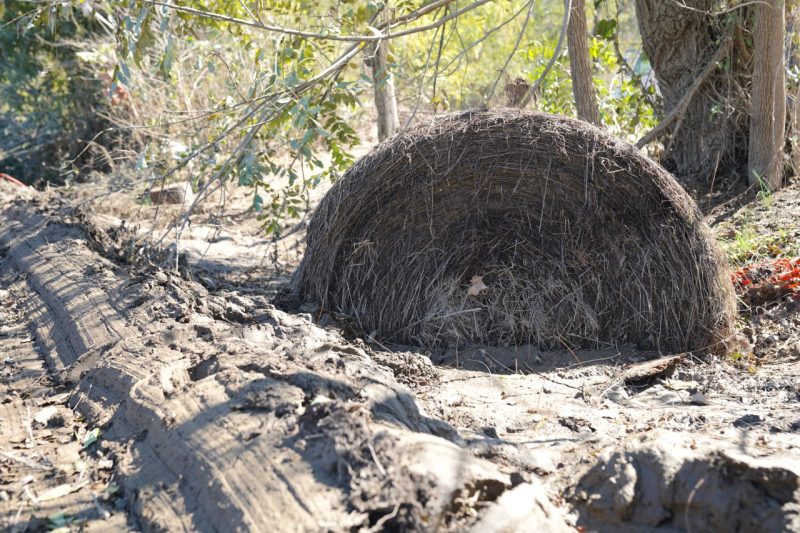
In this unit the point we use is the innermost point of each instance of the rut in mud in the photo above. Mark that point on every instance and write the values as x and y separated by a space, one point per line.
215 410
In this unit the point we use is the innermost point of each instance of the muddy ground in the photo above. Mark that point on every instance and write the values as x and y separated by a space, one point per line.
136 396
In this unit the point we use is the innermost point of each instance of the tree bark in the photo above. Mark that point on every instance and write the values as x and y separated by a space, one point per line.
768 114
383 86
682 41
580 64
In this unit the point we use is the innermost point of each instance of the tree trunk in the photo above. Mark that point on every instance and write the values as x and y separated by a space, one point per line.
383 85
580 64
768 115
682 41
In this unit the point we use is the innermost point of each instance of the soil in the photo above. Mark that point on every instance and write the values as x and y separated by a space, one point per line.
137 396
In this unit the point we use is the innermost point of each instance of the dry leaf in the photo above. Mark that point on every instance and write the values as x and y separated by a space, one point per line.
56 399
60 491
44 415
477 286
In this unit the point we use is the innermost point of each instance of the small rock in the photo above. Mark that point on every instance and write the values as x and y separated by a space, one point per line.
698 398
490 432
43 416
180 193
748 421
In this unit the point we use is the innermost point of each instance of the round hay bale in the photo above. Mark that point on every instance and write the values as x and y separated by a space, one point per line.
507 227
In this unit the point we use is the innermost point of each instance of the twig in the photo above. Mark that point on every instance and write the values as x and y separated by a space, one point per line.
237 153
379 35
710 13
482 38
385 518
421 81
375 458
692 494
438 60
564 23
19 511
514 50
24 461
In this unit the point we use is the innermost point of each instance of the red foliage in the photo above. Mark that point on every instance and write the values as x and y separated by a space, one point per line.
765 282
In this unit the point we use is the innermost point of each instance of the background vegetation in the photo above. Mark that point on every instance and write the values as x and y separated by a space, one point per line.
275 94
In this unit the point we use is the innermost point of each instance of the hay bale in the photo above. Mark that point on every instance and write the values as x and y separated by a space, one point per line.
506 227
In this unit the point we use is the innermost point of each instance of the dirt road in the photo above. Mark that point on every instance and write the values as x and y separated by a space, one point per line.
133 397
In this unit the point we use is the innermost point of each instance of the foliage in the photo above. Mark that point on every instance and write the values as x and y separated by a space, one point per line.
45 90
747 246
768 282
460 75
271 95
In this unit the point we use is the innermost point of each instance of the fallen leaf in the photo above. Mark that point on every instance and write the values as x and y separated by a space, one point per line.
91 437
60 491
477 286
44 415
55 399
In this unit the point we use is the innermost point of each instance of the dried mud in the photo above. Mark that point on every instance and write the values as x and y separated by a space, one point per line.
217 411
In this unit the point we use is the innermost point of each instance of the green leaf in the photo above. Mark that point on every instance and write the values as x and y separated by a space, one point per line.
169 57
91 437
2 8
146 38
58 519
606 28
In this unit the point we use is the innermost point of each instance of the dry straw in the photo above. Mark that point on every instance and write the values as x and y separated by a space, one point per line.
579 239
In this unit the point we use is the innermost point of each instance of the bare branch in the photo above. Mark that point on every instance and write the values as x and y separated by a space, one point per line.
378 36
516 47
678 111
559 45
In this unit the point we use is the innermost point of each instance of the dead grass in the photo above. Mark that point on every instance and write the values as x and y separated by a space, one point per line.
579 240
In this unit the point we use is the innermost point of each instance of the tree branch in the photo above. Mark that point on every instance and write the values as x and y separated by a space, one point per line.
514 50
680 109
378 36
535 87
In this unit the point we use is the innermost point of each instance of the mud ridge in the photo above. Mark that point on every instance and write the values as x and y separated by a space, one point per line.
215 411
